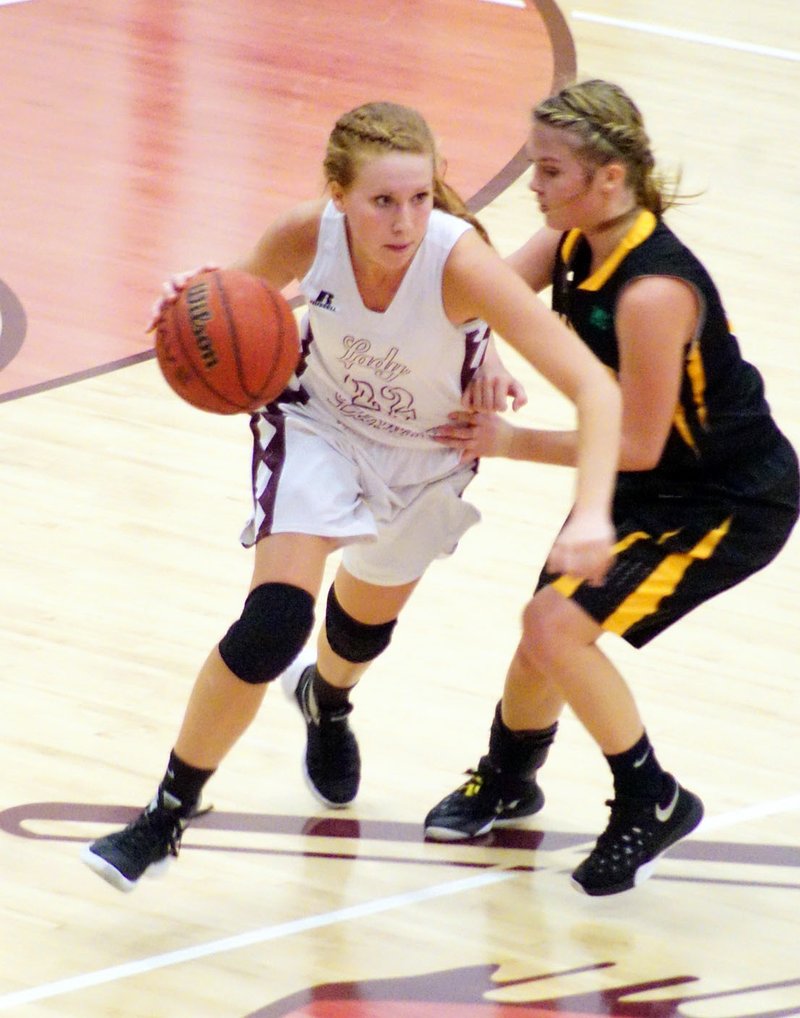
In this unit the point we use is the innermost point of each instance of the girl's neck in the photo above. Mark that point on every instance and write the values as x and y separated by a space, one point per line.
604 238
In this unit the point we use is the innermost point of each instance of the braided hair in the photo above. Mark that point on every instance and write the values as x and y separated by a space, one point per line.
379 128
609 128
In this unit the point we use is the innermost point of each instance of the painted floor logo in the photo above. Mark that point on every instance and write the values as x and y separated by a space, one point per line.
13 325
468 992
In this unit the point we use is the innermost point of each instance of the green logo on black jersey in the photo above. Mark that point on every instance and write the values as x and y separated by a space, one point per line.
599 318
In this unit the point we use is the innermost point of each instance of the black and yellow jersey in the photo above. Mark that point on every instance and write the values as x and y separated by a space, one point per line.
722 422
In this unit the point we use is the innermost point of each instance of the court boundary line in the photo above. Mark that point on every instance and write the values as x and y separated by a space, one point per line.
667 32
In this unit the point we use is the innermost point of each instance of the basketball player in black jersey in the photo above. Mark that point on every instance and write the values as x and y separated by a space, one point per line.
707 492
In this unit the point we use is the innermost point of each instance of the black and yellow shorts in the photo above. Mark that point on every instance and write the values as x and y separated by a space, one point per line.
674 552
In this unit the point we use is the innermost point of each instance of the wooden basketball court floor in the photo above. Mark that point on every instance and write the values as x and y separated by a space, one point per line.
139 138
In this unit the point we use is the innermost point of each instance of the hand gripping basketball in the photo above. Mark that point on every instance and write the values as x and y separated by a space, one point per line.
226 341
170 289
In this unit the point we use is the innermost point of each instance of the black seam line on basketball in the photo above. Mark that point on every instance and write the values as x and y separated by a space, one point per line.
196 374
234 334
277 349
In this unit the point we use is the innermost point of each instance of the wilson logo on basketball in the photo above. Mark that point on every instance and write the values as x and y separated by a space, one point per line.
197 299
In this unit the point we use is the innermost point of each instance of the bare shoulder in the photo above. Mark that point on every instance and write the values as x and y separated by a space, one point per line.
470 274
656 312
667 295
286 248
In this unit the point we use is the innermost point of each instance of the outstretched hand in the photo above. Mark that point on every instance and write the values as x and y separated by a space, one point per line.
170 290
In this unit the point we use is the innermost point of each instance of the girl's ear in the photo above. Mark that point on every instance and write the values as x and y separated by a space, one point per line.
337 196
612 176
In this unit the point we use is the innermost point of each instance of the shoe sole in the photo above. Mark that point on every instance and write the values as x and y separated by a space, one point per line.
112 876
645 871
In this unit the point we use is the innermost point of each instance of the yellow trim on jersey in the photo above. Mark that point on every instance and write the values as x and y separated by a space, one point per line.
645 224
663 580
697 377
679 422
569 244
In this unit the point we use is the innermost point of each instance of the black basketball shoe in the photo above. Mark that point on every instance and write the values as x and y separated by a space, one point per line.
638 831
332 763
144 846
487 799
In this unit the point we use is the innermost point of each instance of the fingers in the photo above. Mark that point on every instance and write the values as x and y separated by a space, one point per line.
590 562
170 289
518 395
484 393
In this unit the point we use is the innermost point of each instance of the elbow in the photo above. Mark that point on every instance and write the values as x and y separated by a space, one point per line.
635 456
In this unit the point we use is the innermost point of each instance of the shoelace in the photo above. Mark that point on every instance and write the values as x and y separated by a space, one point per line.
624 825
476 781
140 832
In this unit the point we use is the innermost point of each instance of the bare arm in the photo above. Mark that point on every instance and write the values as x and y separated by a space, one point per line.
535 260
284 253
479 284
655 321
286 249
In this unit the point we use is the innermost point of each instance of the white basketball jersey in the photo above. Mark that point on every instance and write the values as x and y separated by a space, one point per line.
389 375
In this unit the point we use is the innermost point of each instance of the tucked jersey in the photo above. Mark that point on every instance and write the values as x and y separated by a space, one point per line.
392 375
722 420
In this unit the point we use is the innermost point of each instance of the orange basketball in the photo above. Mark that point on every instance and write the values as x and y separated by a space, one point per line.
229 343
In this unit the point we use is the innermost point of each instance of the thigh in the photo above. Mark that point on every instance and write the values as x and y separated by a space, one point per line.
672 556
369 602
296 559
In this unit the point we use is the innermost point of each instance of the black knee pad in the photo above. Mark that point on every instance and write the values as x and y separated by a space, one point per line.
354 641
275 623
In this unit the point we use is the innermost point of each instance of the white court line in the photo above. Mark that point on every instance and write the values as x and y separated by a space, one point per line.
507 3
760 809
5 3
679 33
260 936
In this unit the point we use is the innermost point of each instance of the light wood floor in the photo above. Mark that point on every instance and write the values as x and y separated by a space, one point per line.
120 564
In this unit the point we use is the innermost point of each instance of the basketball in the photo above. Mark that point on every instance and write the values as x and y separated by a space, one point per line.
229 343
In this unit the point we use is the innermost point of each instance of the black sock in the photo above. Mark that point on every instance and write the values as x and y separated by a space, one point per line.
328 697
637 773
519 753
184 783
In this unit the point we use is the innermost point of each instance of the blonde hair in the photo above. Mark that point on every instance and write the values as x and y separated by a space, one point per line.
378 128
609 128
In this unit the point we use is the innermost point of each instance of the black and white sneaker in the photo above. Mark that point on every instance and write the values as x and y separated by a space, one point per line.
487 799
332 763
144 846
638 831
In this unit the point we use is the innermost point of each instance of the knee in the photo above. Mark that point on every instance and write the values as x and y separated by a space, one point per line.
545 632
354 641
275 623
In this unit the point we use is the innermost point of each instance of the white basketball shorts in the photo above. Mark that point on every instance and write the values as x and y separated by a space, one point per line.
394 510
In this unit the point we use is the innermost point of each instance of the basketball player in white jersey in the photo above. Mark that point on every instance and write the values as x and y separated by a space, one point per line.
402 289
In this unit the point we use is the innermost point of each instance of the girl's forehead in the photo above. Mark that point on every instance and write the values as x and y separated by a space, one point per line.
547 142
395 171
